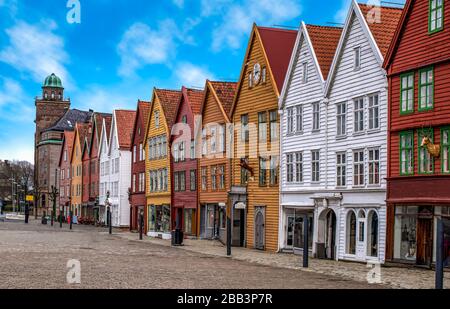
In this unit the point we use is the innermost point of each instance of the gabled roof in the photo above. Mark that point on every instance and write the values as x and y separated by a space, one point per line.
142 112
97 128
81 131
223 93
321 42
277 45
398 32
70 118
383 32
194 97
379 34
124 127
324 41
86 142
67 140
169 100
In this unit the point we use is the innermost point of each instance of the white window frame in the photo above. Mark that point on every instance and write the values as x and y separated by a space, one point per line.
341 169
374 162
358 115
374 111
359 168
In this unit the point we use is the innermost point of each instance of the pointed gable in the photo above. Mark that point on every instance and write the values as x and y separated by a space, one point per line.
224 93
142 117
324 41
169 100
278 45
67 143
124 126
194 97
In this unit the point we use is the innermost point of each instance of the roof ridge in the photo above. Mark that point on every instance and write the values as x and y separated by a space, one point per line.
276 29
382 6
322 26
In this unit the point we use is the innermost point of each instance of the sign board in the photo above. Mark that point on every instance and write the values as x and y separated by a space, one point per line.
240 205
30 198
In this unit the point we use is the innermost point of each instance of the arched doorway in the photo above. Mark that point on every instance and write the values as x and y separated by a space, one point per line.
259 229
326 240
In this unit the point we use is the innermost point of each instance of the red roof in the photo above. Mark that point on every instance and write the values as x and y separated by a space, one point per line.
225 92
108 121
169 100
125 124
384 31
144 111
278 45
194 97
325 41
83 132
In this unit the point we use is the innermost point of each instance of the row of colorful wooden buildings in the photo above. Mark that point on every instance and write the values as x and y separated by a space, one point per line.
348 127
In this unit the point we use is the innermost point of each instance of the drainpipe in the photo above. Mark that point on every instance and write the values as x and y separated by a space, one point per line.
280 207
326 101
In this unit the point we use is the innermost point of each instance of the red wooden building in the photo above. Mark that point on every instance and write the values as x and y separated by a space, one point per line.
418 68
65 172
137 196
184 169
86 212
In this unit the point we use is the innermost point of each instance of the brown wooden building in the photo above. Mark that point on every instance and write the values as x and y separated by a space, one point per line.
214 164
137 196
418 67
254 195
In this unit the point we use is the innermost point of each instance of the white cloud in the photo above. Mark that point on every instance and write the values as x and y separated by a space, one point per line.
237 19
141 45
11 6
36 50
13 102
179 3
191 75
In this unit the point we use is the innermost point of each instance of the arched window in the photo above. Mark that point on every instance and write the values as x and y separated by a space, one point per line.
45 95
372 240
351 232
60 96
53 95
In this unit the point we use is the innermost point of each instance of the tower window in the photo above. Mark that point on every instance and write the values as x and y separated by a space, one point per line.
60 96
53 95
45 95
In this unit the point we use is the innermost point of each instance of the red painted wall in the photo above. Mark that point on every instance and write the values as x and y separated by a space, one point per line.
138 198
188 198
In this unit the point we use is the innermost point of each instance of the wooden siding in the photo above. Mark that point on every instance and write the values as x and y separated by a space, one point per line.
76 179
158 198
250 101
213 114
436 118
416 47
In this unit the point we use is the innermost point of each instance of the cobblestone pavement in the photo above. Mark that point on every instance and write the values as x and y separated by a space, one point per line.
392 276
36 256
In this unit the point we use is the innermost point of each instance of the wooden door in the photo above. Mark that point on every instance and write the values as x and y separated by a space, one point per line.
259 229
424 241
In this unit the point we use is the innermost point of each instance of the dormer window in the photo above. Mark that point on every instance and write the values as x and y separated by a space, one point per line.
436 16
357 58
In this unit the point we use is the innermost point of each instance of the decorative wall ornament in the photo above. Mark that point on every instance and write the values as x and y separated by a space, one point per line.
433 149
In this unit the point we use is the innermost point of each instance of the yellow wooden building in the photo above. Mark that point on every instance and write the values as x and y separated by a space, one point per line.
158 161
81 131
254 195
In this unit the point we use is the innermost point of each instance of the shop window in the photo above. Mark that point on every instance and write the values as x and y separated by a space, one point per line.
189 218
405 232
159 218
351 233
372 240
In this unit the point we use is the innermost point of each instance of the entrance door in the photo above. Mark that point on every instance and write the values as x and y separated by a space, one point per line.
290 231
424 241
330 240
361 243
259 229
238 232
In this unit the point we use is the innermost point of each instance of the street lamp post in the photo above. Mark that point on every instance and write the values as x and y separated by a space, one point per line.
70 212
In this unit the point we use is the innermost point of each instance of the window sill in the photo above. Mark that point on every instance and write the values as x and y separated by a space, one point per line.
341 137
315 131
373 131
359 133
425 110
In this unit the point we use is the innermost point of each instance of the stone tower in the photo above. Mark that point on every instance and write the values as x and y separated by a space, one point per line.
50 108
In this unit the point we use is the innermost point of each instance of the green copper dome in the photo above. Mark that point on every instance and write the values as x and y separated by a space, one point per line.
53 81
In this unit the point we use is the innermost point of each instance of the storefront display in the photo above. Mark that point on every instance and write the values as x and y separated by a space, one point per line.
405 237
159 218
294 229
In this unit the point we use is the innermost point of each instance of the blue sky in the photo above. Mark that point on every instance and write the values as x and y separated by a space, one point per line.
124 48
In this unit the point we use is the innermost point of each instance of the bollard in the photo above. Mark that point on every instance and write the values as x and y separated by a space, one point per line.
305 241
71 220
440 255
228 235
141 226
109 220
60 220
52 218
